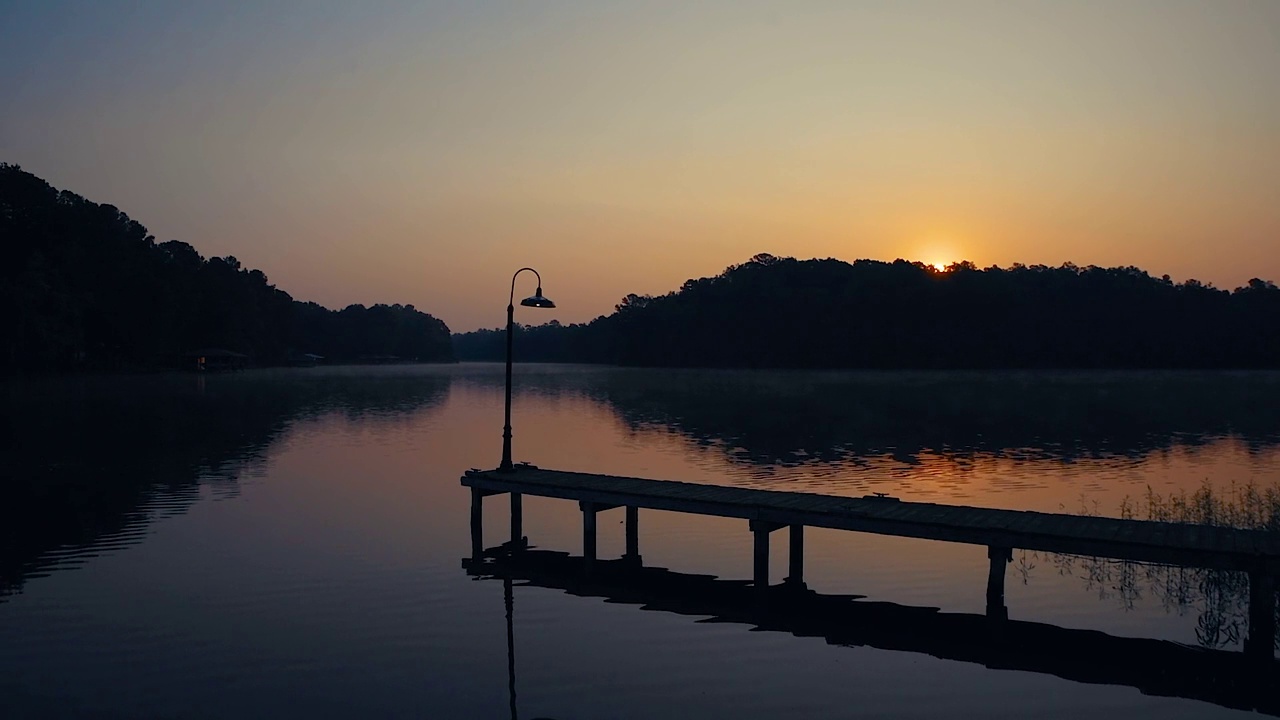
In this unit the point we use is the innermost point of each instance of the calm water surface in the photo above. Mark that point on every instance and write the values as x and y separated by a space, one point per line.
291 543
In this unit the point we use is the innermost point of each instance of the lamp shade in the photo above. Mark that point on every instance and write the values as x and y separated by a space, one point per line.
537 301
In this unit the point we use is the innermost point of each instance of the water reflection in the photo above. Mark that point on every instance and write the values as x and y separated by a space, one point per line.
338 550
93 460
1154 667
1219 598
937 432
793 418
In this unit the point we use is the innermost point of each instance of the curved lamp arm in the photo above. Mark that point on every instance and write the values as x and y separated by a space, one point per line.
511 302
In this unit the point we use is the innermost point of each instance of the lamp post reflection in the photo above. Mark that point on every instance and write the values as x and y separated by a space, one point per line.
511 645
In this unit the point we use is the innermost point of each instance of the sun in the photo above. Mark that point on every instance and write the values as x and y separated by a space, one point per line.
937 250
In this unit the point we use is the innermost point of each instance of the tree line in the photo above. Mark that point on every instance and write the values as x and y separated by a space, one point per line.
773 312
83 285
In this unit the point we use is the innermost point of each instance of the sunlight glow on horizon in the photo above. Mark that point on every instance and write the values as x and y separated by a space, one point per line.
418 153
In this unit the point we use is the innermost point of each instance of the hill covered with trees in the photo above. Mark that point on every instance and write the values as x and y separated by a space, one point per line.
786 313
82 285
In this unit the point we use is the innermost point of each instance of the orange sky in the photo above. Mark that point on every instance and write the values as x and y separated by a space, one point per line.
421 152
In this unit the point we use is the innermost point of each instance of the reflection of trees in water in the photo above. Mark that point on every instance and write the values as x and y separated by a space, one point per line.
807 418
1219 598
774 417
93 458
777 418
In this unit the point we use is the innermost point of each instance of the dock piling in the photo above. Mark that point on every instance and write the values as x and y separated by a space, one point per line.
477 523
633 534
517 519
761 529
795 569
761 566
588 533
1262 615
998 557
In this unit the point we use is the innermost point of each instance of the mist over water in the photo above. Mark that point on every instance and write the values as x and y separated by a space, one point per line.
289 542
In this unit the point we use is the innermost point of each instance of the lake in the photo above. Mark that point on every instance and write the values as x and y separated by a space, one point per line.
291 543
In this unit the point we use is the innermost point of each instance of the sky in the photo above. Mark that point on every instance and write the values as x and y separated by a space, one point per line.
421 152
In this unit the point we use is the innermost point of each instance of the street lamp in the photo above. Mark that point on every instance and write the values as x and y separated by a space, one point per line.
537 301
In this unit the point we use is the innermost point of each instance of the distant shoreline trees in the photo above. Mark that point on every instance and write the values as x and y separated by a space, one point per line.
773 312
83 286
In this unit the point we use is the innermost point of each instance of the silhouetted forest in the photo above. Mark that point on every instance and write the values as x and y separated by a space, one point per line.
83 285
775 312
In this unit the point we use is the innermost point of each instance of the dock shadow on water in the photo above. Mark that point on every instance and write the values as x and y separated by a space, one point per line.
1154 667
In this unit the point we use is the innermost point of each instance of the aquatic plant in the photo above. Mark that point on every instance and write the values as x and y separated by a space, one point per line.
1220 598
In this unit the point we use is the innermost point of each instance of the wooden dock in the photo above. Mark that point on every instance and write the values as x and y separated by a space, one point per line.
1256 553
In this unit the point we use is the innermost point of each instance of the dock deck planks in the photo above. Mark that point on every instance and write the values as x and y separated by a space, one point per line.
1138 540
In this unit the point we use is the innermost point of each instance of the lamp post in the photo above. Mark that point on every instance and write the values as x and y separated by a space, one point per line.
538 301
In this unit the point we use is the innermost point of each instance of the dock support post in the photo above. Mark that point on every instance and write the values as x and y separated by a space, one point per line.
999 557
633 534
795 569
477 523
1262 615
517 520
760 575
588 534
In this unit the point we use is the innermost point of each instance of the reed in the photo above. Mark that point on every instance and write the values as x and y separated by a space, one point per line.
1245 506
1219 598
